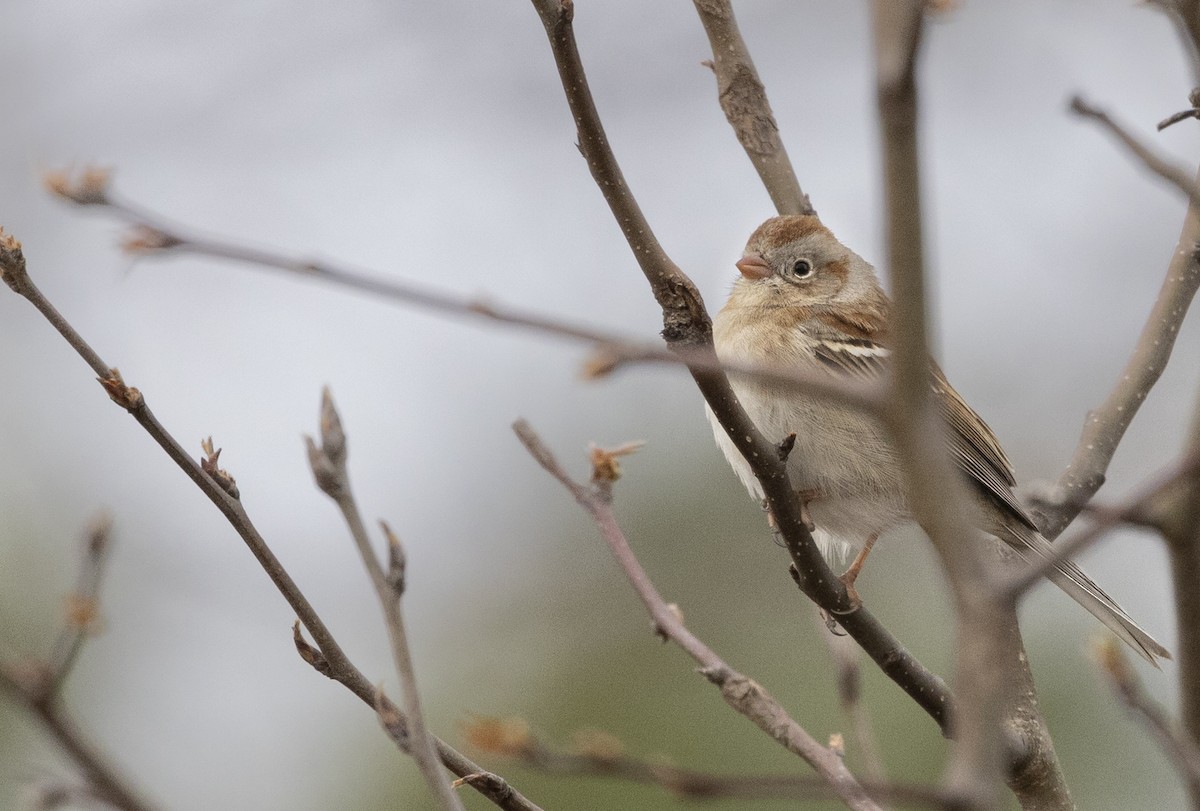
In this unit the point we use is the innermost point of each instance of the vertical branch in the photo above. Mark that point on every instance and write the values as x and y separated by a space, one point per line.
328 463
1179 518
744 101
987 651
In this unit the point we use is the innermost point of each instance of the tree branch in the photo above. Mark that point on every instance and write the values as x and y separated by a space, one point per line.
328 463
740 692
37 686
155 235
1175 175
82 605
1105 426
686 325
984 672
744 101
29 690
597 754
1178 746
219 488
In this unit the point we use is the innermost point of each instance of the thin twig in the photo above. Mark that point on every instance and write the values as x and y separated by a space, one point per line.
1177 745
1175 175
1137 506
328 463
598 754
103 779
740 692
82 605
38 685
744 101
849 686
156 236
218 488
1106 425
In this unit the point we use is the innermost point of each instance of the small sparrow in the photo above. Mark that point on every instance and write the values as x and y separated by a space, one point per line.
805 300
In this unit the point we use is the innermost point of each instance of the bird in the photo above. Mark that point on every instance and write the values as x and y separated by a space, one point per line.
804 300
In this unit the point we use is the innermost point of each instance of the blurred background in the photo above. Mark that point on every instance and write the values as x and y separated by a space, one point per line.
431 143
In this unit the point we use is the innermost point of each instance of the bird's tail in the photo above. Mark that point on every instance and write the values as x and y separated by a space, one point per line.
1071 579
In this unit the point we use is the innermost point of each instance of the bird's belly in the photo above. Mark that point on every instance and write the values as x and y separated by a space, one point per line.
841 461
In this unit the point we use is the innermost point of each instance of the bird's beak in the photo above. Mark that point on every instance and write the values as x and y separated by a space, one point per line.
753 266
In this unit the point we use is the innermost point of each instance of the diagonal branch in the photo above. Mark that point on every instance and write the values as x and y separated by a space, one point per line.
82 605
1105 426
1177 745
38 686
744 101
686 325
155 235
1175 175
740 692
104 782
219 488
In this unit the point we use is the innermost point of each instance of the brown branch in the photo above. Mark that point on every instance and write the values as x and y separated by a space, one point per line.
37 686
744 101
1140 507
1175 175
1185 14
154 235
1106 425
218 488
91 188
597 754
29 689
1178 515
82 605
328 463
849 686
686 326
744 695
984 665
1179 747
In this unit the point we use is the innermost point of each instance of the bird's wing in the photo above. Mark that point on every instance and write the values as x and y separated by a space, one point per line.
972 443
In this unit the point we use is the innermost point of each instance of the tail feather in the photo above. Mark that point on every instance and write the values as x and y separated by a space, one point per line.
1071 579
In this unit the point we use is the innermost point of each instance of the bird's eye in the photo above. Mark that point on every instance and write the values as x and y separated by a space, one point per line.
802 269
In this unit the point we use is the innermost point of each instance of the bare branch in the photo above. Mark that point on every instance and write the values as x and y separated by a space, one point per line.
156 236
598 754
1178 746
37 686
687 326
849 684
328 462
104 781
82 605
1107 424
1178 515
1138 506
740 692
337 665
984 676
744 100
1175 175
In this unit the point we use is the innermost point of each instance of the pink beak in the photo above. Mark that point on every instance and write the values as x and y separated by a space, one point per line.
753 266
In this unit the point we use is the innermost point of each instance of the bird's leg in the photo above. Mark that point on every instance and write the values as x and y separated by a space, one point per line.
806 496
851 574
